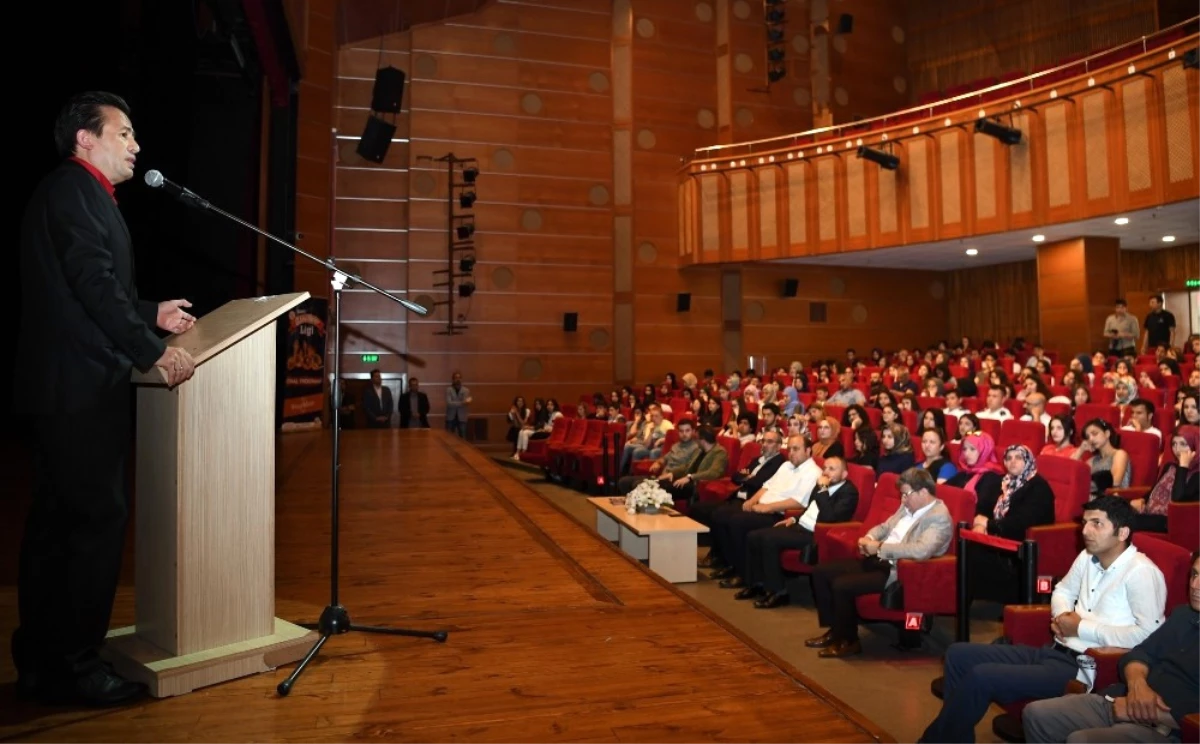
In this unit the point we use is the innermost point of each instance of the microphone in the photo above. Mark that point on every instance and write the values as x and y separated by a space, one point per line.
155 180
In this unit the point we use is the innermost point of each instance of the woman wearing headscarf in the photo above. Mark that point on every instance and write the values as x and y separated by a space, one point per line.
1177 481
829 442
978 470
1024 500
895 449
1126 391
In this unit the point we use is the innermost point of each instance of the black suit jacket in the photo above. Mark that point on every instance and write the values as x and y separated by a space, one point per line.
840 506
751 485
82 325
406 409
373 406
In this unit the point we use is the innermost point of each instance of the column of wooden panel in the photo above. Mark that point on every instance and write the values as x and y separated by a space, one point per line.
314 147
1077 283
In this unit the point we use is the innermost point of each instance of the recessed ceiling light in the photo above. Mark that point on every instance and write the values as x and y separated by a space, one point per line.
972 251
1038 238
1168 238
1122 220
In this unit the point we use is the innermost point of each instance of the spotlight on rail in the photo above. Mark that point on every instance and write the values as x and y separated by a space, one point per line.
884 160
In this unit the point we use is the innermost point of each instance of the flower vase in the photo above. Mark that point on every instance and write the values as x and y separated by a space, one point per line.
648 509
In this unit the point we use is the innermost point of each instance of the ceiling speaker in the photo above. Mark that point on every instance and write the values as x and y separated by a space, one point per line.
570 322
388 90
375 139
683 302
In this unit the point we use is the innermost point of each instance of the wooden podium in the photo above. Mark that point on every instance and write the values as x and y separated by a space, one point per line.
205 581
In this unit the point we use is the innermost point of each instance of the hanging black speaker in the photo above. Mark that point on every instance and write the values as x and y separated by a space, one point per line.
388 90
570 322
373 145
791 287
845 23
683 302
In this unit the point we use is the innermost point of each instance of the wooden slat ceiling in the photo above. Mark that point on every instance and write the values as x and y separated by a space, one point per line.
368 19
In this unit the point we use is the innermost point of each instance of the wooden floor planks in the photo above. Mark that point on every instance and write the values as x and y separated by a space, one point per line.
555 635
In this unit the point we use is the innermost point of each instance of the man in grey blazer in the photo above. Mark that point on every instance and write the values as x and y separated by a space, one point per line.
919 530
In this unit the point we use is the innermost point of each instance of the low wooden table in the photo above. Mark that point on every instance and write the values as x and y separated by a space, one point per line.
668 542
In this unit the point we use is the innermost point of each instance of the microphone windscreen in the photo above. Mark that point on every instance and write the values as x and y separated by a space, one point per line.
154 179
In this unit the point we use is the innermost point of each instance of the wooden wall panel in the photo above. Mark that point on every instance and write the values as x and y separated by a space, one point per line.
996 302
314 152
868 66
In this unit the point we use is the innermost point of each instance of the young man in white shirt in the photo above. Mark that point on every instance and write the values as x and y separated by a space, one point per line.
954 405
1113 595
1141 418
996 410
790 488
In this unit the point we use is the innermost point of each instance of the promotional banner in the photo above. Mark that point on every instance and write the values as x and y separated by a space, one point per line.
303 396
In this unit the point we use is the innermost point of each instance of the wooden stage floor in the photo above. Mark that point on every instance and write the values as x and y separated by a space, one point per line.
555 634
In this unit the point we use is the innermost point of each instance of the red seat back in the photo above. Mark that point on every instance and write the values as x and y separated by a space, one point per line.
1032 434
747 455
875 416
732 452
991 427
594 433
1085 412
863 479
924 403
884 501
961 504
910 421
1143 449
669 440
1173 560
1102 395
579 429
1070 481
1015 407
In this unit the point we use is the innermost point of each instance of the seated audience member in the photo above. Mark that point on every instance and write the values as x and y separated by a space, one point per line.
890 415
881 398
829 440
1176 482
954 405
996 410
537 423
519 417
920 529
649 445
866 448
903 384
1141 418
847 395
932 388
1061 432
932 418
672 465
834 501
1110 464
855 417
710 465
1113 595
1193 380
895 449
1126 391
815 414
746 424
750 481
1024 500
967 424
712 414
933 446
1189 410
978 471
1160 688
790 488
1080 394
768 419
1035 409
1145 382
820 396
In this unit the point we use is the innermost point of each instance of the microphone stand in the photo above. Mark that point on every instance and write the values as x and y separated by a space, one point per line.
335 619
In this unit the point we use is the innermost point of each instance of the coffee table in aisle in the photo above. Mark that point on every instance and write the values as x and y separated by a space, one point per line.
667 542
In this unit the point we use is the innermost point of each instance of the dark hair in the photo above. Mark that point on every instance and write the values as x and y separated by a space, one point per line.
1120 301
749 418
939 419
870 441
706 434
862 415
708 373
770 407
375 372
1114 437
1146 405
1068 425
1119 512
83 111
972 418
685 422
918 479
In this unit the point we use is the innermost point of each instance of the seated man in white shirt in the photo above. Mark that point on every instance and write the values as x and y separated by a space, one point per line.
790 488
1141 417
1113 595
996 409
1035 410
954 405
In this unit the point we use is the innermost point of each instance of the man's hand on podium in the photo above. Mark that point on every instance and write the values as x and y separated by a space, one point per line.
176 364
172 318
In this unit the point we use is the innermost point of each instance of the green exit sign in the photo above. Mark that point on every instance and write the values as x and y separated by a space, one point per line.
370 358
1192 283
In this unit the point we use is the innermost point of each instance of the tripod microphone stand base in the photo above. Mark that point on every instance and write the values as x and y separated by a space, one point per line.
335 620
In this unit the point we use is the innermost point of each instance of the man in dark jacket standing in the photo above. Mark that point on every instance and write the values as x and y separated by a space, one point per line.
414 405
82 330
377 402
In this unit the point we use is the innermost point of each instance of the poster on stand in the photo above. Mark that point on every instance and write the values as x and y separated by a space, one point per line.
303 388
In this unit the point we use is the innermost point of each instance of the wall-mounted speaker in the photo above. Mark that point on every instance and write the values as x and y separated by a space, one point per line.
683 302
791 287
845 23
570 322
388 90
375 139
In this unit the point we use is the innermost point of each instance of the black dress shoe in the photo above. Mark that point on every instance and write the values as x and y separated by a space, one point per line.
771 601
749 592
840 650
97 687
821 641
734 582
723 573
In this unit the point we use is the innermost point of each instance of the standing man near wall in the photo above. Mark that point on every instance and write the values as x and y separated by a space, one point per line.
458 397
82 329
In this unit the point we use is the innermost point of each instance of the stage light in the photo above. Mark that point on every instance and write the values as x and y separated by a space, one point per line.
1168 238
466 264
1039 238
774 35
1191 59
466 290
470 173
465 232
993 128
775 55
1121 221
884 160
466 199
775 74
775 16
972 251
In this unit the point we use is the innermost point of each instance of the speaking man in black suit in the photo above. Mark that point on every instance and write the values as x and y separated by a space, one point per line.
414 405
82 329
377 402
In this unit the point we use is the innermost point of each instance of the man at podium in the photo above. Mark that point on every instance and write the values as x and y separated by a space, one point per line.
82 329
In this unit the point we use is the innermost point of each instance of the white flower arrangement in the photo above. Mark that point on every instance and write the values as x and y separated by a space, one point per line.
648 494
